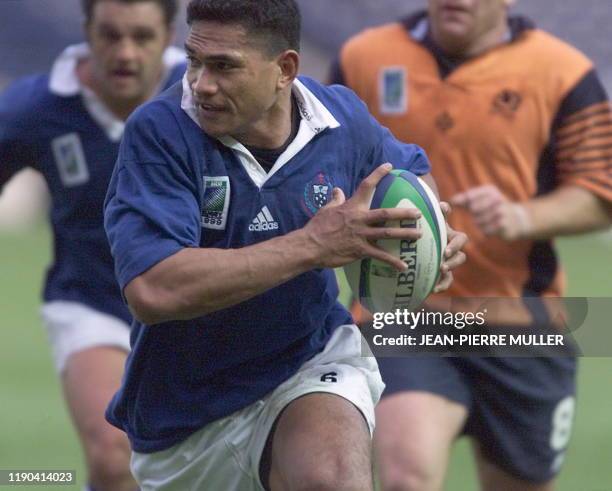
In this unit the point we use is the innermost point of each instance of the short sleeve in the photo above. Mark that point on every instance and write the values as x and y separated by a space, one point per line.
373 143
583 138
387 148
152 206
17 137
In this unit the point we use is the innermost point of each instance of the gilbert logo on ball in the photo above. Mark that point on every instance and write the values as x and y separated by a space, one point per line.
379 286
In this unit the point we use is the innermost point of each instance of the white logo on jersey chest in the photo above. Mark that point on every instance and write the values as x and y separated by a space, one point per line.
70 160
263 221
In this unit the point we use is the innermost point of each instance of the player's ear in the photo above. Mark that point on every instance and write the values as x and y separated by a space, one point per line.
289 63
86 33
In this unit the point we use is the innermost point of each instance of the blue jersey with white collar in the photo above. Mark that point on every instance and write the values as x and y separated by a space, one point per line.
175 187
50 123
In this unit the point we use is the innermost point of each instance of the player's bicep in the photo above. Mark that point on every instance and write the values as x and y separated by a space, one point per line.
151 213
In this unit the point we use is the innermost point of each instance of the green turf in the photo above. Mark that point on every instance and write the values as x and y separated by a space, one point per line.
35 431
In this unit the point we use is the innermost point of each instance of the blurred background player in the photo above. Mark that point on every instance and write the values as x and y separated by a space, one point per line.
517 125
67 125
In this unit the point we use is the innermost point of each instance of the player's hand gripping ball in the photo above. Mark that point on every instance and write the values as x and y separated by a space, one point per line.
379 286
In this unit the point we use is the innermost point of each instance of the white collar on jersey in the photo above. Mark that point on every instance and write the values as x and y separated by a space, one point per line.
65 83
315 118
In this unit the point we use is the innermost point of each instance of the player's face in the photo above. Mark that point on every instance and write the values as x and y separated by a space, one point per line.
127 43
460 24
234 82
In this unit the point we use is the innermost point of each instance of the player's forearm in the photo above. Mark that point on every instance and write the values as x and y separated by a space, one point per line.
566 211
429 180
196 281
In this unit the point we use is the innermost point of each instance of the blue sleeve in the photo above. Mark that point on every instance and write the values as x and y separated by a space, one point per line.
18 147
405 156
175 76
152 206
372 143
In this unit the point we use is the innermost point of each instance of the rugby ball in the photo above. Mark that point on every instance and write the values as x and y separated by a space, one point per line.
378 285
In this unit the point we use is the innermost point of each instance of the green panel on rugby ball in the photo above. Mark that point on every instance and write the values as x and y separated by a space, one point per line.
379 286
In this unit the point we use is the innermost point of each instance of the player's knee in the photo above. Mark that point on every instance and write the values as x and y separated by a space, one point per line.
410 478
330 483
109 462
408 468
408 483
335 475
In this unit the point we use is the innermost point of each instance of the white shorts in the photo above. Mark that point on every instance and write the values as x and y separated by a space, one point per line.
225 455
73 327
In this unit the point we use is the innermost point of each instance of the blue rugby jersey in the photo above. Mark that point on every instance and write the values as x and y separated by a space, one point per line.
52 124
175 187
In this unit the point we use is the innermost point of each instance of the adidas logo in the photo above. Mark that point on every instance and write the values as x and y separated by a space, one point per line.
263 221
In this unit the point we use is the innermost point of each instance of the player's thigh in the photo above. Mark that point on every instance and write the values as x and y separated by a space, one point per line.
414 435
494 478
321 436
89 350
423 410
90 379
216 457
318 424
327 406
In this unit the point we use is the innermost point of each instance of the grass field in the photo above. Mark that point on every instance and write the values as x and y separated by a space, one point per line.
35 432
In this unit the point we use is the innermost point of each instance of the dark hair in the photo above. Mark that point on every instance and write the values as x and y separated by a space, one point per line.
169 7
278 21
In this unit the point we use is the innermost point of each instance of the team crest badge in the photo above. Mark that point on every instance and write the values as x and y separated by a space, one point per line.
215 202
444 122
393 90
317 193
507 103
70 160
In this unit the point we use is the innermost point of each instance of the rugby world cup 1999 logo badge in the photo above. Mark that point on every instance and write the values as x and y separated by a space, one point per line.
217 192
317 193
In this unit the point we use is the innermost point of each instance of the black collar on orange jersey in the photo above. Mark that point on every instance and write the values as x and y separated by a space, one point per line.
418 26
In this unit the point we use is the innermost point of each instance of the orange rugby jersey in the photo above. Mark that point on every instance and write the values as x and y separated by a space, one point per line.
527 116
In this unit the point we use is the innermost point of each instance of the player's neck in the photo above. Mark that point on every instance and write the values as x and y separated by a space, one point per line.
273 128
120 108
482 43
